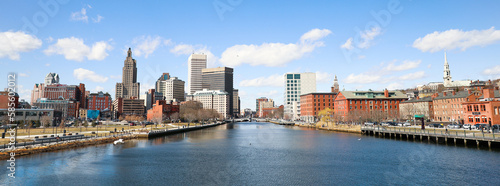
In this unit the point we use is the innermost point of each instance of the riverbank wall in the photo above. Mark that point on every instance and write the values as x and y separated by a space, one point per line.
158 133
27 150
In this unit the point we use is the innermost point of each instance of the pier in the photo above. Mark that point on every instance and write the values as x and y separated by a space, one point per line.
490 140
156 133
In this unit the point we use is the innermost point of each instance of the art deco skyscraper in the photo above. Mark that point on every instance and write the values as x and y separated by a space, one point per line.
196 62
129 86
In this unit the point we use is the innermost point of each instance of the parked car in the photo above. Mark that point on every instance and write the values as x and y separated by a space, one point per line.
384 123
467 126
393 124
435 125
132 124
369 123
407 124
496 128
484 126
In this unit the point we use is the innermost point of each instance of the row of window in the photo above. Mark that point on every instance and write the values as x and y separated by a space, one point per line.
478 119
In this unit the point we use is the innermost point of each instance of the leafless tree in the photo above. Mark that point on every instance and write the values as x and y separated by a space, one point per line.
45 122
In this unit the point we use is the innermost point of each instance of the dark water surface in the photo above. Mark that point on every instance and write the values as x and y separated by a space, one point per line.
260 154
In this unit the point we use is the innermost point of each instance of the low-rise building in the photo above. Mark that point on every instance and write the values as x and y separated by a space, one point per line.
51 116
448 105
99 101
162 110
484 110
312 103
418 106
213 99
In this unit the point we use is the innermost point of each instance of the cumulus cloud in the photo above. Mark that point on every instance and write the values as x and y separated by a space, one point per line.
80 16
348 44
14 43
412 76
362 78
394 86
146 45
23 75
406 65
84 74
74 49
323 77
97 19
492 71
268 94
98 88
185 49
271 81
273 54
366 39
454 38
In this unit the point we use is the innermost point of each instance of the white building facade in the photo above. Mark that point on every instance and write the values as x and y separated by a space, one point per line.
297 84
172 89
213 99
196 63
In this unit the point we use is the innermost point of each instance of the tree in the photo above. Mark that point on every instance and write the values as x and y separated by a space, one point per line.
45 122
325 115
174 116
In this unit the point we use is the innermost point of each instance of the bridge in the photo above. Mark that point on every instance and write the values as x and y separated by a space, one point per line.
467 138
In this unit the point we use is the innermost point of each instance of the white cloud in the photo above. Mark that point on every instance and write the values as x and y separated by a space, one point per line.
84 74
492 71
47 64
362 78
348 44
268 94
74 49
185 49
80 16
406 65
98 88
146 45
115 77
454 38
272 81
23 75
323 77
13 43
413 76
273 54
97 19
368 36
24 93
429 66
361 57
394 86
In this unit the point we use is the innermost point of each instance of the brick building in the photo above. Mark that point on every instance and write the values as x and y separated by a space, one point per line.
99 101
486 108
312 103
448 105
367 105
162 110
4 100
417 106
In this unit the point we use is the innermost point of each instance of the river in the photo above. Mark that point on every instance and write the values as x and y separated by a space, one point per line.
260 154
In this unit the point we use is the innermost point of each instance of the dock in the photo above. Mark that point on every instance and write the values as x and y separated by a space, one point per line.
157 133
490 140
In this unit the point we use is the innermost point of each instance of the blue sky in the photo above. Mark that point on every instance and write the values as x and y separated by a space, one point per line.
367 44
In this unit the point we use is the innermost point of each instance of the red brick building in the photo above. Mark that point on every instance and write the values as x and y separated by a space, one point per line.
162 110
257 104
67 92
448 105
312 103
4 100
486 108
99 101
367 105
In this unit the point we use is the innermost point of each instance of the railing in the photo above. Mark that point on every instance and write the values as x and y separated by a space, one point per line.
42 141
433 131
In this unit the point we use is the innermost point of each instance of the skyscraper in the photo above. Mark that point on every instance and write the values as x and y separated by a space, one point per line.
297 84
196 63
171 88
220 78
129 86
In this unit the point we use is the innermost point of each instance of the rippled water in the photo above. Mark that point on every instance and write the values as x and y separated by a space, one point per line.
260 154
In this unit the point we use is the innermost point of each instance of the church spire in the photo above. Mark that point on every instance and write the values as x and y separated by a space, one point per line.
446 73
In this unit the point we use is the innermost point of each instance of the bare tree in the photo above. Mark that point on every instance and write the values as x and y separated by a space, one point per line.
174 116
45 122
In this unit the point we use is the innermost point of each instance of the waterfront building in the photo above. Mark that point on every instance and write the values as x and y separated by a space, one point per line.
448 105
265 105
220 78
297 84
129 87
236 103
162 110
257 104
68 108
417 106
4 100
172 89
196 63
150 98
484 110
213 99
312 103
99 101
22 115
367 105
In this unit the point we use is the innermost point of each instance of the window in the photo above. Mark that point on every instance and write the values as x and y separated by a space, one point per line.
478 119
471 119
496 110
476 108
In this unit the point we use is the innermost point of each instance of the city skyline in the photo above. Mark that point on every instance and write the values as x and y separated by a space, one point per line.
405 50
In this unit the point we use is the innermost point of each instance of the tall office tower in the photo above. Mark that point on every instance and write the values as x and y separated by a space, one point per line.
171 88
220 78
196 62
129 87
236 102
297 84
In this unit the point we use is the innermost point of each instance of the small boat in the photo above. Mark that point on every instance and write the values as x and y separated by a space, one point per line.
118 141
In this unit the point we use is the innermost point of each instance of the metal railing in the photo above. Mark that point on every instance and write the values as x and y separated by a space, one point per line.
42 141
433 131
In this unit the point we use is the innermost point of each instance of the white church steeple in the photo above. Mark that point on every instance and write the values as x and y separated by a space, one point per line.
447 74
